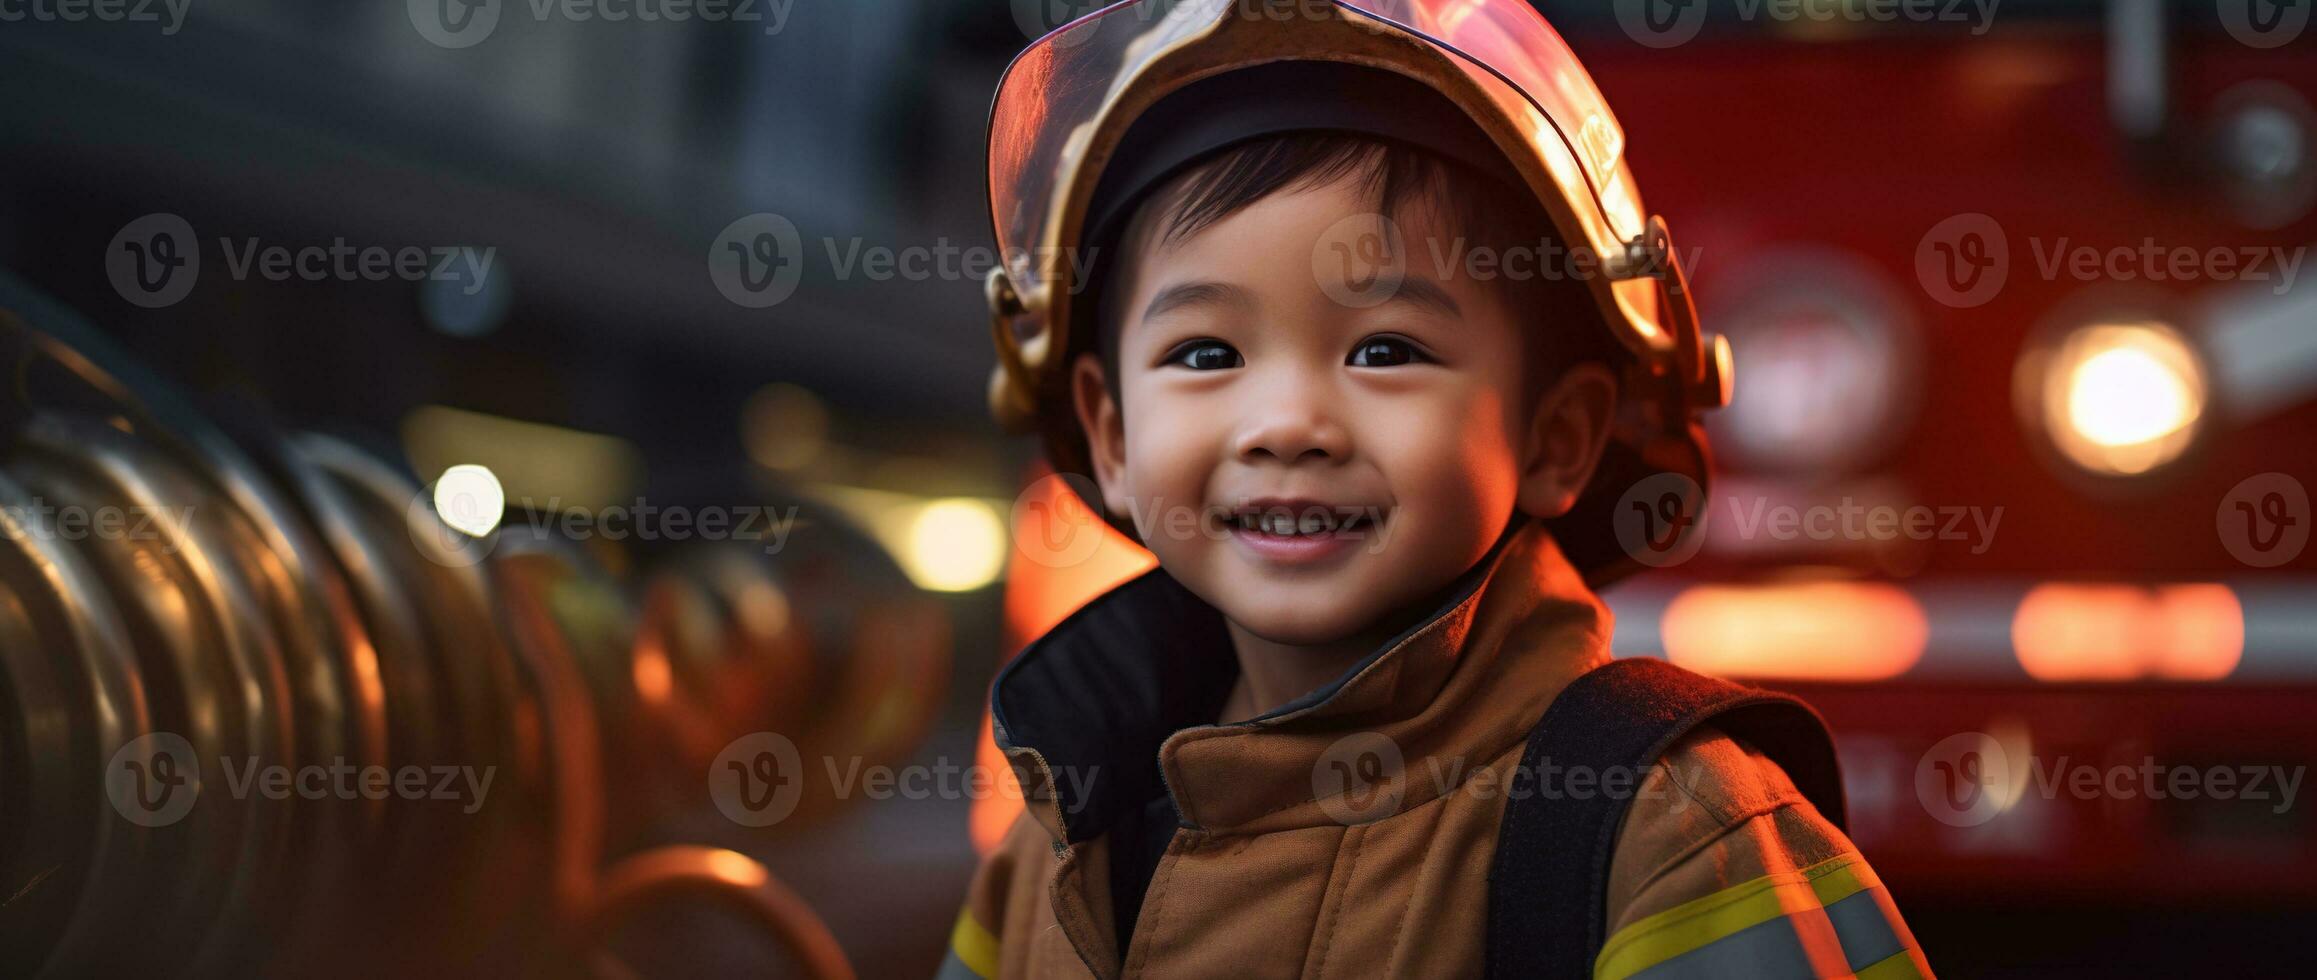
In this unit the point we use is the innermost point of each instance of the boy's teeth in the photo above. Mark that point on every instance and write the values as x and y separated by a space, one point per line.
1285 524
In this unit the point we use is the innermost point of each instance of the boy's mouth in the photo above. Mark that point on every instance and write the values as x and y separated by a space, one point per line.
1298 519
1283 533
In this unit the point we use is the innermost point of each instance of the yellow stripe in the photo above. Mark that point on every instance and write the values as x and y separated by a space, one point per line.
1897 966
1697 922
974 945
1839 878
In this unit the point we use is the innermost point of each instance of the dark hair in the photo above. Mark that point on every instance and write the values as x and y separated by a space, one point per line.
1559 320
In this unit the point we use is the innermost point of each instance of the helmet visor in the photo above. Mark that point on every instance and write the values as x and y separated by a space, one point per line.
1051 107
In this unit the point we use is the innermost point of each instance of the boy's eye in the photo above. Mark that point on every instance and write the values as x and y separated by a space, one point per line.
1384 352
1204 355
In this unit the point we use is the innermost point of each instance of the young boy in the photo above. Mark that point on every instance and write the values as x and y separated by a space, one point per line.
1298 364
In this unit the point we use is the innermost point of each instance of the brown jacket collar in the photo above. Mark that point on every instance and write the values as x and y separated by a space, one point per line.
1135 675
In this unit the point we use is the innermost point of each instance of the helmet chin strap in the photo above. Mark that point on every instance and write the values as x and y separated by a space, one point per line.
1013 388
1701 360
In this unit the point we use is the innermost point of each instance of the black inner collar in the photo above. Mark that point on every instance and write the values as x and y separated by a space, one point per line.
1098 694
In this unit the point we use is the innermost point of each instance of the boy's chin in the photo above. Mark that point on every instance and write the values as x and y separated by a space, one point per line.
1285 618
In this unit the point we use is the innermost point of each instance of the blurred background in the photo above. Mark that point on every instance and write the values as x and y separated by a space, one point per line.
1971 261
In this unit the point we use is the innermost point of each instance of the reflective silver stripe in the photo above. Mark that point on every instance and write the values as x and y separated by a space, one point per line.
1773 950
1768 950
1863 923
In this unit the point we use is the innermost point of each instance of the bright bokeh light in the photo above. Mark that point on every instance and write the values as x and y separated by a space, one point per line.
470 499
2080 632
655 680
955 545
1824 631
736 868
2126 397
2123 399
2201 632
2072 632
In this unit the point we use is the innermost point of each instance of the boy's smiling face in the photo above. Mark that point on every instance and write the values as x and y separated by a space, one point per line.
1250 401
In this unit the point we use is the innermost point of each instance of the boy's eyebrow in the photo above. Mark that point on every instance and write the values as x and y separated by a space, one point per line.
1421 292
1199 292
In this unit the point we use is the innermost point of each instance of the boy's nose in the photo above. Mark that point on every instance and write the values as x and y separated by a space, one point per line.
1291 429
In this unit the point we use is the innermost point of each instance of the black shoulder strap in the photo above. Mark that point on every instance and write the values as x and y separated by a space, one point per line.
1548 890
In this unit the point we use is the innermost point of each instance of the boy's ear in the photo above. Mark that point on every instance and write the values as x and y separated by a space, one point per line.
1099 418
1566 438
